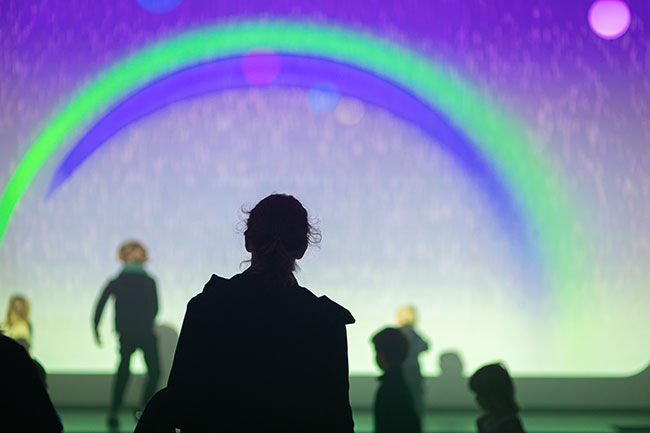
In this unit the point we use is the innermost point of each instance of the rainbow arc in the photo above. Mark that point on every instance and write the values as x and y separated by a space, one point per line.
488 144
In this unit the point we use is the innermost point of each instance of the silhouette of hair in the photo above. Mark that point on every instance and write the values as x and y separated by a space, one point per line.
406 316
393 345
18 309
493 382
278 230
132 252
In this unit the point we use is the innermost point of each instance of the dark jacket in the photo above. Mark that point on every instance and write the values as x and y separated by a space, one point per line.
136 301
394 410
252 357
24 405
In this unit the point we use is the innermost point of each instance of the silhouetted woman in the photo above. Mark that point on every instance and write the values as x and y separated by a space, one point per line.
258 352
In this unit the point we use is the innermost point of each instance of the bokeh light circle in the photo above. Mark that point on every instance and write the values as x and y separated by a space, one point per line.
323 97
609 19
159 6
349 111
261 67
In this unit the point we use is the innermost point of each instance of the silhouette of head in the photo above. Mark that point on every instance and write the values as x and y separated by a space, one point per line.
450 364
392 347
406 316
278 233
132 252
494 389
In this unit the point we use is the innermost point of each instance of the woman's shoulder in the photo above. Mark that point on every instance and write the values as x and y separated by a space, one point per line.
326 307
216 286
214 283
223 291
226 291
335 310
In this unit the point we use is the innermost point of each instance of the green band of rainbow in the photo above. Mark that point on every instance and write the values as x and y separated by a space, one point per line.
496 134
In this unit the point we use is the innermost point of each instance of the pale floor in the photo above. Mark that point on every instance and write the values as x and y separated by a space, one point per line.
93 420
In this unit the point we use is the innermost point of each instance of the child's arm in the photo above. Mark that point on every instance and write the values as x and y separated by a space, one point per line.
149 302
155 299
99 309
421 345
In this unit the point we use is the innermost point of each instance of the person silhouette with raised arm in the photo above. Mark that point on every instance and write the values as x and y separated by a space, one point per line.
406 318
136 306
258 352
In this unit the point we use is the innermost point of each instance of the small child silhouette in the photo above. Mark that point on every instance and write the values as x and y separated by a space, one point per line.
495 393
394 408
17 324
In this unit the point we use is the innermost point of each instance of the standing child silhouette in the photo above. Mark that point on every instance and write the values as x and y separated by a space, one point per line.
136 306
394 408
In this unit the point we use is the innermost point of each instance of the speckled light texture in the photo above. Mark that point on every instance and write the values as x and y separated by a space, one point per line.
401 223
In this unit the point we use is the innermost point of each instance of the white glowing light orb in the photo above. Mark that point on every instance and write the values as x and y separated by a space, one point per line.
609 19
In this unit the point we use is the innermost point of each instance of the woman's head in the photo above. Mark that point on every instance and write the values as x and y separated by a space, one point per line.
494 389
132 252
18 309
278 233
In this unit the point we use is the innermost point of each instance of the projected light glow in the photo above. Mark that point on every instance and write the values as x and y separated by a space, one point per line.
495 136
349 111
609 19
323 97
261 67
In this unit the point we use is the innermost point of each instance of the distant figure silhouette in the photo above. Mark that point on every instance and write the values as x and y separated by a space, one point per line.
17 325
26 406
136 306
406 318
495 393
451 366
258 352
394 408
449 389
